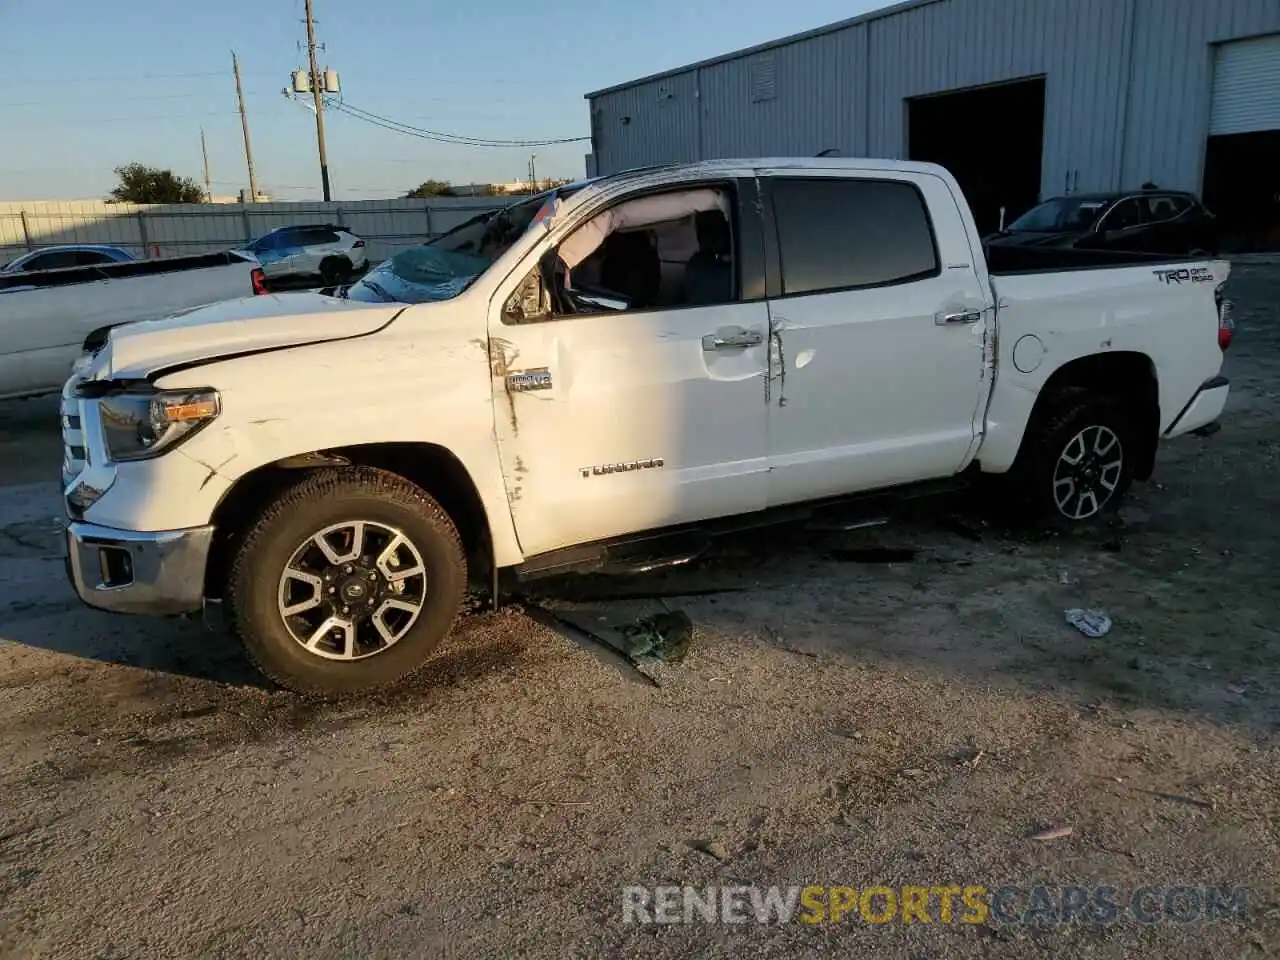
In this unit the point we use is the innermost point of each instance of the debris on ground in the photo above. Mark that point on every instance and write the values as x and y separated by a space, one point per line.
712 848
1052 833
663 636
1092 623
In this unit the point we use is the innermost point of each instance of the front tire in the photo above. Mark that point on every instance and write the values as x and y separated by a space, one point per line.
348 582
1081 463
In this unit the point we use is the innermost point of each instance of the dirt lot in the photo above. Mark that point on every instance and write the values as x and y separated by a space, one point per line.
835 723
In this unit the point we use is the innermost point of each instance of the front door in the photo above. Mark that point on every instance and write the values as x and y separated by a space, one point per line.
638 401
877 374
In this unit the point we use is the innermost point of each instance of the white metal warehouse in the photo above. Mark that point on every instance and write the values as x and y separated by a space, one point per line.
1021 99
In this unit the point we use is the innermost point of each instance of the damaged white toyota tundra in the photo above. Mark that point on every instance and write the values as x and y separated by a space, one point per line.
600 378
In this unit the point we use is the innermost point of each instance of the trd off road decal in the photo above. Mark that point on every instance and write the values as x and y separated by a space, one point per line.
1185 275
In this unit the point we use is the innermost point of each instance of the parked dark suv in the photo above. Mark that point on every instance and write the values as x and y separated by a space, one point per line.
1146 221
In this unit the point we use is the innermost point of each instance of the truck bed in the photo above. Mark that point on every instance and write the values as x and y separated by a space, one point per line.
1017 260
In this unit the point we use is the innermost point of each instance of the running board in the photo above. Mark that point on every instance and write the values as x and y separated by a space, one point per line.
633 555
660 549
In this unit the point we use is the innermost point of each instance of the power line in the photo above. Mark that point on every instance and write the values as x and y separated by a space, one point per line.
440 137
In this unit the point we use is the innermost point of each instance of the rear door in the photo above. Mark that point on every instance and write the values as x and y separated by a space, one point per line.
877 330
1123 227
1165 224
315 243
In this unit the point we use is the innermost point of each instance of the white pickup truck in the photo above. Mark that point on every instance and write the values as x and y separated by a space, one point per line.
599 377
47 315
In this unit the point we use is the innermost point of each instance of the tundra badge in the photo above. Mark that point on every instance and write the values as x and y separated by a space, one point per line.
607 468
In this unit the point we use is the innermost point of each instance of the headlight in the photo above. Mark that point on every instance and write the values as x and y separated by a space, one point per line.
138 426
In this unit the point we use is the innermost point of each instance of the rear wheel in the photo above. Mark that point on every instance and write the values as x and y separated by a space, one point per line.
334 270
1081 463
347 582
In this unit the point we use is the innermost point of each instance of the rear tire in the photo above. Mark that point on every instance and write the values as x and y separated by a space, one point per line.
384 598
334 270
1080 462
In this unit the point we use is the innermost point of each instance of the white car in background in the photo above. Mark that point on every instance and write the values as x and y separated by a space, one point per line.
323 250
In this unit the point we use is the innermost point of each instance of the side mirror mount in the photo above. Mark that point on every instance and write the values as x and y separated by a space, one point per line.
530 302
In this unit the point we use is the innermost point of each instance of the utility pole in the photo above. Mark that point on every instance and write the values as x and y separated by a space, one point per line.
208 185
244 125
533 173
317 90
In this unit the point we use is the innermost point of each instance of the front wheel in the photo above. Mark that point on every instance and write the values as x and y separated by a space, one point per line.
347 582
1081 463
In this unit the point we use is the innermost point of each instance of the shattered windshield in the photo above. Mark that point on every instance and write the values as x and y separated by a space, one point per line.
444 267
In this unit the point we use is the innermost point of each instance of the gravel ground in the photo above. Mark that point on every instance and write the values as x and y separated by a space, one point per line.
835 723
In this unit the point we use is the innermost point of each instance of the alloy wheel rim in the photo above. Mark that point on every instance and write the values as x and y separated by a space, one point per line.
352 590
1088 472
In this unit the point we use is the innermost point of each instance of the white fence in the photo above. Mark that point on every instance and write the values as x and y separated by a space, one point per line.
170 230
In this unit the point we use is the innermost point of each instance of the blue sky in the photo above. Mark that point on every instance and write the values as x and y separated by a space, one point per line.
88 85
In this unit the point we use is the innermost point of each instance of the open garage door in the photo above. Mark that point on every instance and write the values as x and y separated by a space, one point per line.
940 130
1242 157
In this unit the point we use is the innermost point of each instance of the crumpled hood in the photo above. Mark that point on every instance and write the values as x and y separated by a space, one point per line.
235 327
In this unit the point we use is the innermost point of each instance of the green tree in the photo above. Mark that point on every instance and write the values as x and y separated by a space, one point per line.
430 188
143 184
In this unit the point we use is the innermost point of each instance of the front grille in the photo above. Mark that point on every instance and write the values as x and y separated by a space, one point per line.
73 452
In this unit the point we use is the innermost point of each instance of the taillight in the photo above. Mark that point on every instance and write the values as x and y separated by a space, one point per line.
259 280
358 244
1226 325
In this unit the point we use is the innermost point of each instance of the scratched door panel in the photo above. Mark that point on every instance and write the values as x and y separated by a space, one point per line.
620 422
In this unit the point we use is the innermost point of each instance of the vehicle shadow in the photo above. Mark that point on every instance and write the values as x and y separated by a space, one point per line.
952 587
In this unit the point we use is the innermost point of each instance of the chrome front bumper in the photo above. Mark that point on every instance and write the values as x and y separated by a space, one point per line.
125 571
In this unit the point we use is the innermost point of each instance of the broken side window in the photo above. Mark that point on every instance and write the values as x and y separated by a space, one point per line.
667 250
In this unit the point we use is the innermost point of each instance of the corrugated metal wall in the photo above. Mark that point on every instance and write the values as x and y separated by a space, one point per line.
1126 90
168 230
1172 81
649 123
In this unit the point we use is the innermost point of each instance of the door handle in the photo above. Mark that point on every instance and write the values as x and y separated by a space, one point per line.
732 341
963 316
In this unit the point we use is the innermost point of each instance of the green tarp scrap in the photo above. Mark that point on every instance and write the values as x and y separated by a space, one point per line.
663 636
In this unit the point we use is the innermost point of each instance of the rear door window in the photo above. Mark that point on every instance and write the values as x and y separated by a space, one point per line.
1125 214
52 261
89 258
315 236
1160 209
838 234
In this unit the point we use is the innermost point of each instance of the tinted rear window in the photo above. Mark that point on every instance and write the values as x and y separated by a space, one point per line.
840 234
313 236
